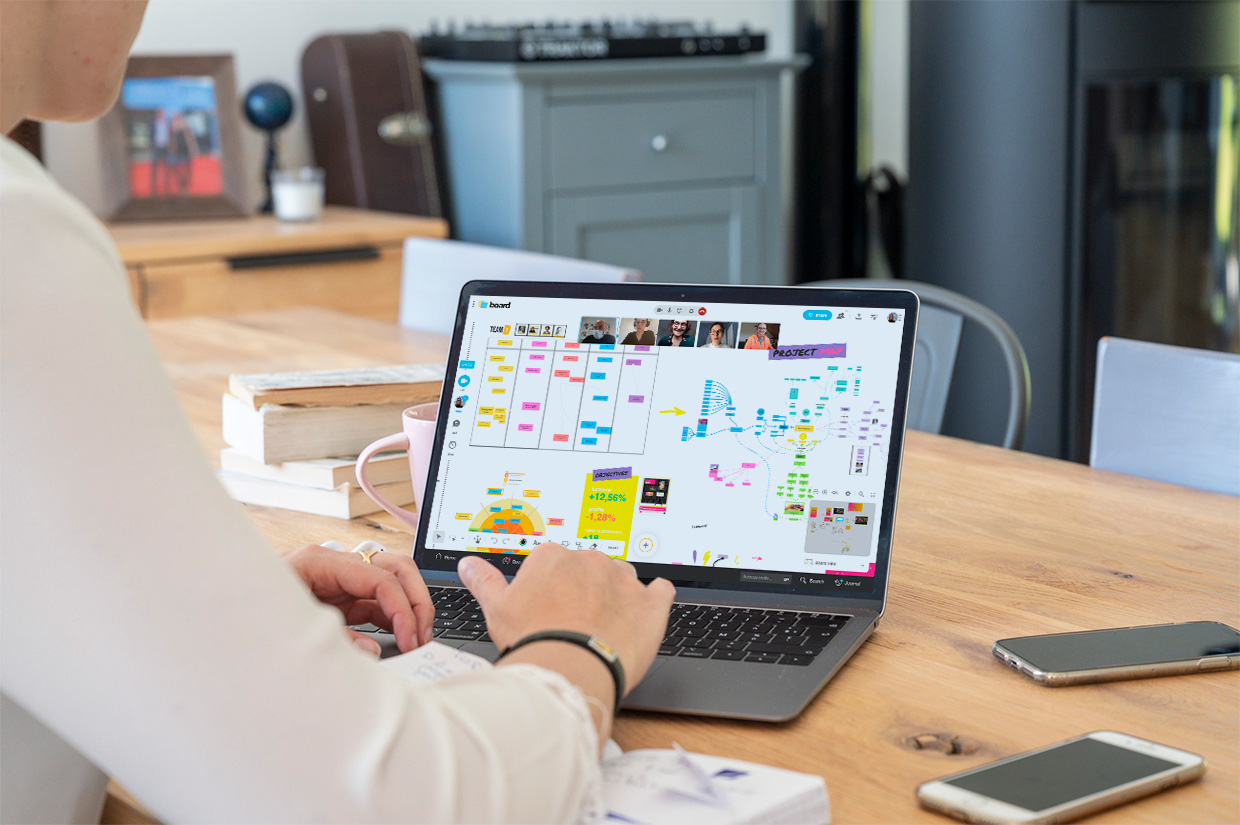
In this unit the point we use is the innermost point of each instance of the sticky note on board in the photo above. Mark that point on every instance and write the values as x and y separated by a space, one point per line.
607 504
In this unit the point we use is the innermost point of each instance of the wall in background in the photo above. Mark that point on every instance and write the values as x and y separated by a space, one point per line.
266 38
889 86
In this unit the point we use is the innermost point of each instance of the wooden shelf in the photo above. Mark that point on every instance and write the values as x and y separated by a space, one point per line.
348 261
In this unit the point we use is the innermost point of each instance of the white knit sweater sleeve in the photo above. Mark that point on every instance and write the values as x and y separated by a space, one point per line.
146 621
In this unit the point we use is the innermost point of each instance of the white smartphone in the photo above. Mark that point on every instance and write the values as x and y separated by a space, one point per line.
1062 782
1122 653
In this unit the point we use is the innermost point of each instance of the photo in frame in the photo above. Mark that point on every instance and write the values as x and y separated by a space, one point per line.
172 143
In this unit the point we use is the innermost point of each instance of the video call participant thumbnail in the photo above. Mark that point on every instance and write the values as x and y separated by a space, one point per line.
717 335
598 330
760 335
638 330
676 333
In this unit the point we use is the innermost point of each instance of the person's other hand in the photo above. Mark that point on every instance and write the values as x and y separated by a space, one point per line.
388 592
585 591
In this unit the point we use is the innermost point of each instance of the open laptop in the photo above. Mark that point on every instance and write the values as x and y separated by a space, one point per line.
744 443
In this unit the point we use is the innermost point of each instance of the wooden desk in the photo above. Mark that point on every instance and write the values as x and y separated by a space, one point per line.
988 544
348 261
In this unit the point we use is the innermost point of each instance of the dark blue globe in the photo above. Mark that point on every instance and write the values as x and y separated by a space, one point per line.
268 106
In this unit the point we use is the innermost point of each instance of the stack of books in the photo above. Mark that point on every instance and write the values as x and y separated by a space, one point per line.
294 436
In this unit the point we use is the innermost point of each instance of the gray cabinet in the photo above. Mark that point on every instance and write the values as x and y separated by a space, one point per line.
673 167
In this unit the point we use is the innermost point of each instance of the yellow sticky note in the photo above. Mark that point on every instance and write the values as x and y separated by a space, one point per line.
607 506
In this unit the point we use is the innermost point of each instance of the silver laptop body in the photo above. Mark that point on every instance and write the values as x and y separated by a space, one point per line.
736 688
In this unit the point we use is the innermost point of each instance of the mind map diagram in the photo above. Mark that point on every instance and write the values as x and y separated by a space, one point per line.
818 413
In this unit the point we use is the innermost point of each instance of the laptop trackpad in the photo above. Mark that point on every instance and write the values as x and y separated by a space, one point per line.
486 650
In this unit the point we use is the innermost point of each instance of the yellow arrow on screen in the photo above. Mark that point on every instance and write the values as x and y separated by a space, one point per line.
676 410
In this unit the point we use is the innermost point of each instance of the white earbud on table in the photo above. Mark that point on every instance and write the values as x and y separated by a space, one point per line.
363 548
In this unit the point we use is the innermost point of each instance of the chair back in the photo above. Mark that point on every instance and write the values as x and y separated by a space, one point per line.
934 360
1167 413
939 327
433 272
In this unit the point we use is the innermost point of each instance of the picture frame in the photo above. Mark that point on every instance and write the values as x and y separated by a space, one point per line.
171 145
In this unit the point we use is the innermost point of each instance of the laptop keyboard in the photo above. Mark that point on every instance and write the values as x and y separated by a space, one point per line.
750 634
457 615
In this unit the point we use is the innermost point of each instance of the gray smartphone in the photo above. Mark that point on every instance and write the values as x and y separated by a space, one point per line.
1122 653
1062 782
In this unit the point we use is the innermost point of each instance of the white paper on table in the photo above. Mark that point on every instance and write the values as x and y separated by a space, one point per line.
435 661
674 787
657 787
432 662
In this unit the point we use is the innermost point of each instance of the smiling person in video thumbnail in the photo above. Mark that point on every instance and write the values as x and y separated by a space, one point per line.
677 333
760 335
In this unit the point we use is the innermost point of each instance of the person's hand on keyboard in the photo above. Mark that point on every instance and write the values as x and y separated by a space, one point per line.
384 589
583 591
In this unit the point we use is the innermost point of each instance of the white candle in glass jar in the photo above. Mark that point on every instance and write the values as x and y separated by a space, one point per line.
297 194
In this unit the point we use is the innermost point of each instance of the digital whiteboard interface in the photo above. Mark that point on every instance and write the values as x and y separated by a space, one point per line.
716 442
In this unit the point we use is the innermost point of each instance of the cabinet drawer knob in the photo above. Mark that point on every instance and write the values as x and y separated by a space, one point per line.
659 143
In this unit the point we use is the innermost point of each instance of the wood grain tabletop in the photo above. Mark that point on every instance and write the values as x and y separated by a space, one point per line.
988 544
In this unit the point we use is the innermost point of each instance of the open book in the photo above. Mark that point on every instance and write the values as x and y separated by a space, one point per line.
662 786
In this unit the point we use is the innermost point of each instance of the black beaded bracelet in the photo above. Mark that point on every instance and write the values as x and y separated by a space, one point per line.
591 643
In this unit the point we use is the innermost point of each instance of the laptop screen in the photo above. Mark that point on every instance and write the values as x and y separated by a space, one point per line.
711 441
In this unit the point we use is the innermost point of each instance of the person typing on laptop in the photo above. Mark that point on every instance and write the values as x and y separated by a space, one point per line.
146 622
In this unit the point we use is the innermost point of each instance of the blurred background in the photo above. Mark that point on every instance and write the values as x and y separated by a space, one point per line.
1072 165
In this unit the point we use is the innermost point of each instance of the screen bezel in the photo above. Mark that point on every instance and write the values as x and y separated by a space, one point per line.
898 299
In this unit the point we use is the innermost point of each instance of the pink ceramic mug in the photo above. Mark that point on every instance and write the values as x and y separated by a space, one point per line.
418 435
